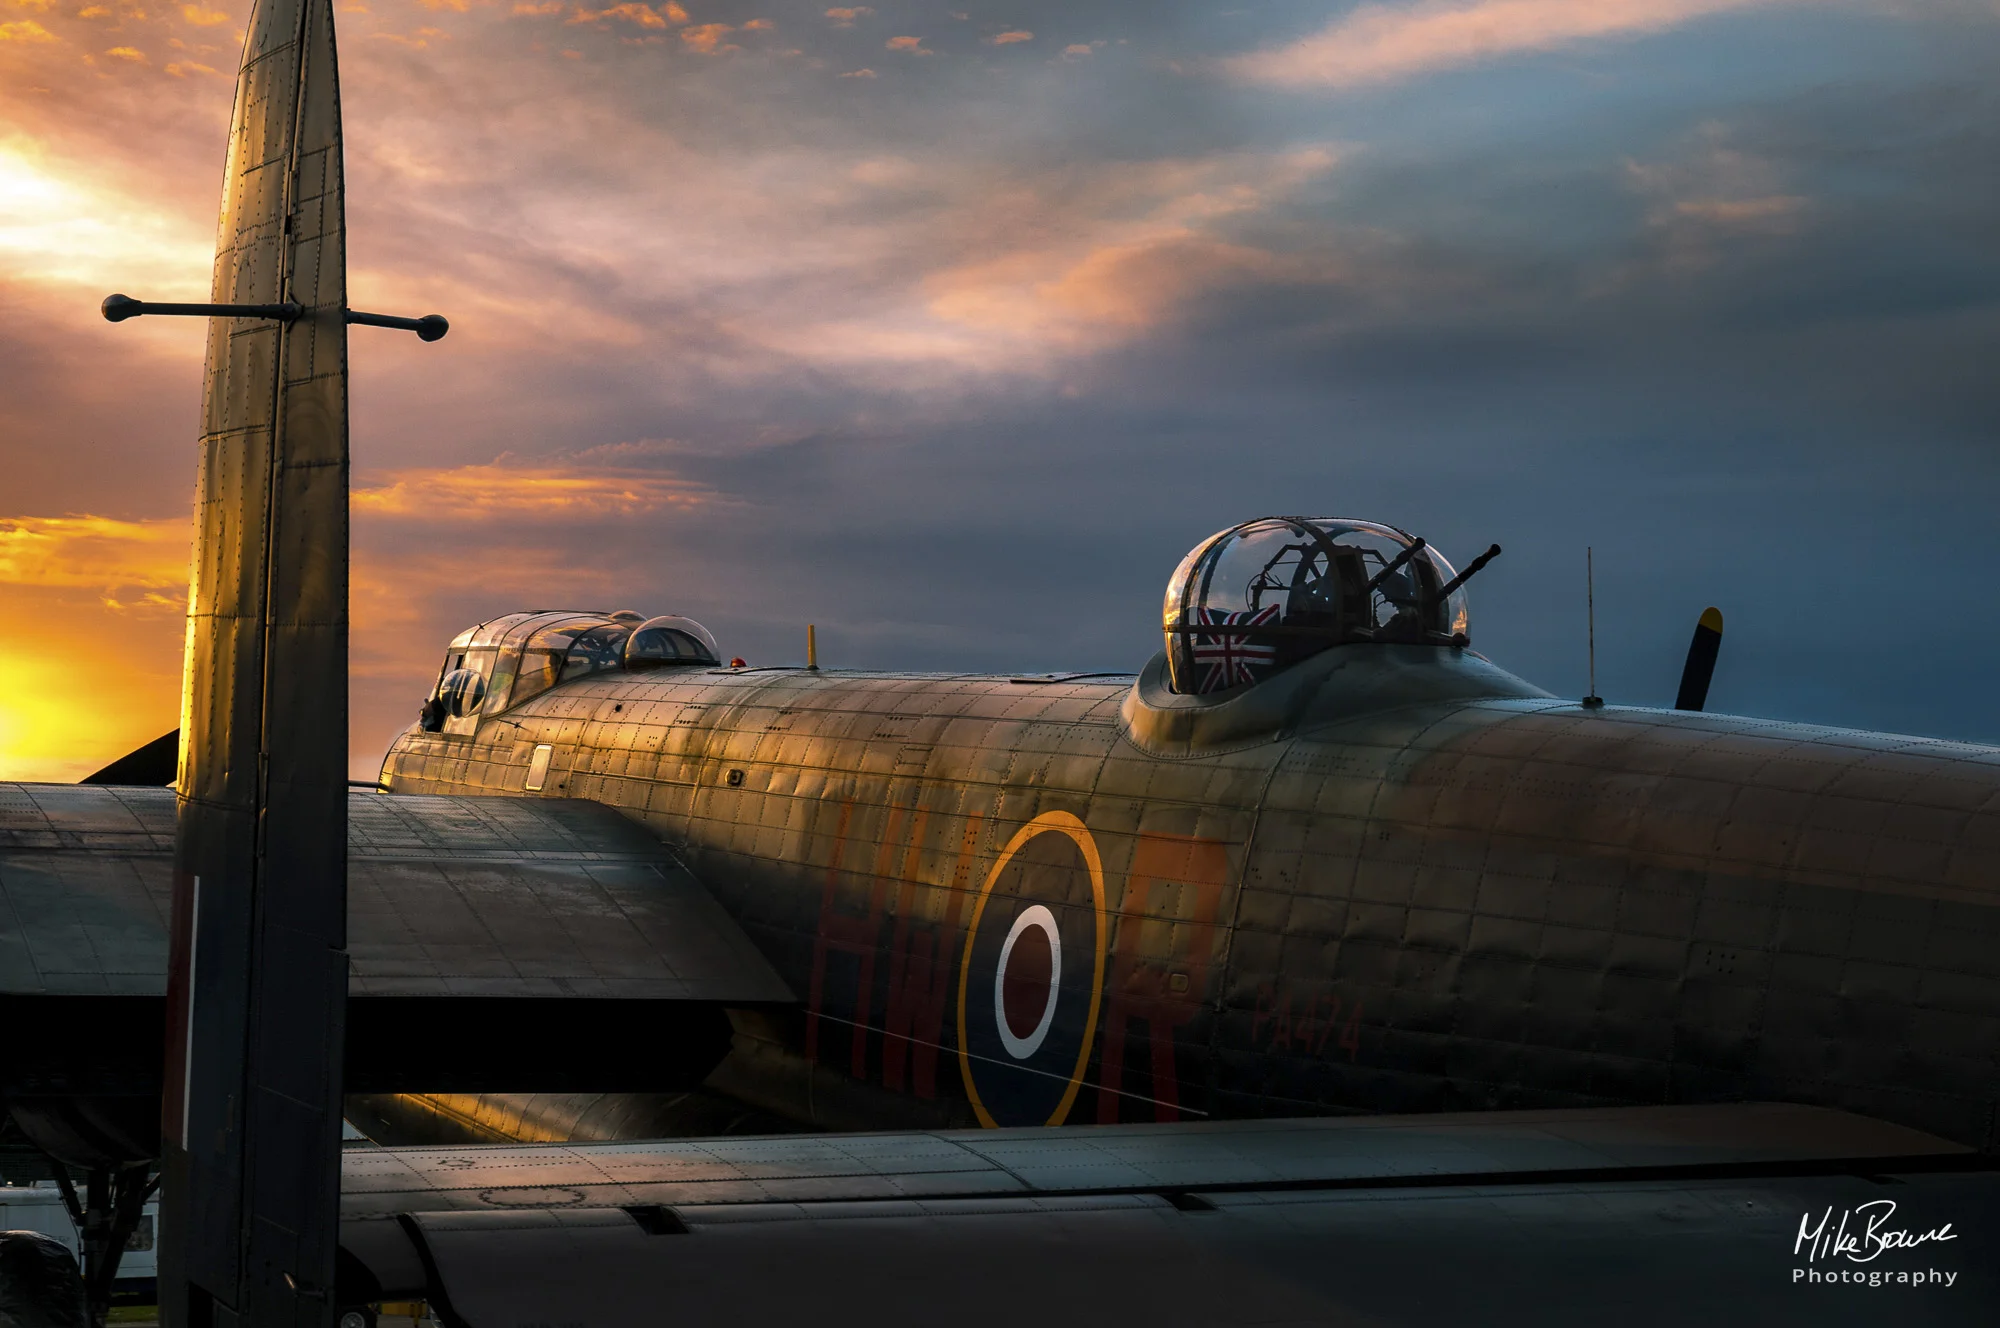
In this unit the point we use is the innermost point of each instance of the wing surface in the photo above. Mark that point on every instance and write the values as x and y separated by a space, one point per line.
1642 1215
448 896
495 944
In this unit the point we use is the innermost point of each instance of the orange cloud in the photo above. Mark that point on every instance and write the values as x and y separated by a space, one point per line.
1379 43
844 18
542 10
456 6
496 489
759 25
630 13
859 73
885 171
139 561
1010 38
416 41
127 53
914 45
1773 212
1707 198
1124 254
707 38
1131 287
183 69
203 18
25 30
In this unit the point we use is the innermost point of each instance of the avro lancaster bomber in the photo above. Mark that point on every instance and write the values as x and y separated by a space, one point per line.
1318 855
1370 983
1318 858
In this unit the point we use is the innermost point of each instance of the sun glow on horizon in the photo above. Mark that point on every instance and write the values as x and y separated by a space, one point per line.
59 722
60 228
90 667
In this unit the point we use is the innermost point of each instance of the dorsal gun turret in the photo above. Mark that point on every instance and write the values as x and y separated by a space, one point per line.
1258 597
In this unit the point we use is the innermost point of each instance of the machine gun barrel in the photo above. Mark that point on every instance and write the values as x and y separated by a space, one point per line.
1396 564
1492 552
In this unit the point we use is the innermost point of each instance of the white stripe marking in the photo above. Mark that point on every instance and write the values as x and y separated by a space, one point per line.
187 1011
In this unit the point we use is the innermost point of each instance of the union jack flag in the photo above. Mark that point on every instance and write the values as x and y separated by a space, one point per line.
1233 659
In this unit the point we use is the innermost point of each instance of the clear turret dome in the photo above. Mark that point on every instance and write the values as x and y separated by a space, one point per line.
1280 589
669 639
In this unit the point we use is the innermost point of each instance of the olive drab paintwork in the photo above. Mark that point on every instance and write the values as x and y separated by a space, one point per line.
1388 878
258 970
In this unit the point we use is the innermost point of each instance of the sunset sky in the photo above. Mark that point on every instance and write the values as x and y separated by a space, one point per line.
951 329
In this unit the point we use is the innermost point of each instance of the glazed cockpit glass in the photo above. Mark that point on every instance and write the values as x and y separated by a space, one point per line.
1261 596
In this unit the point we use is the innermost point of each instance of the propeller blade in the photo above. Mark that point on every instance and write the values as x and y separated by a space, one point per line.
1701 661
155 763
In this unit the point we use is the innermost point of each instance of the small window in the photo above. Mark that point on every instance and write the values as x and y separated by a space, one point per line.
463 687
538 768
502 689
543 657
461 691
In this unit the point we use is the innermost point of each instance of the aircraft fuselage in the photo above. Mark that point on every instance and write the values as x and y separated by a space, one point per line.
1390 879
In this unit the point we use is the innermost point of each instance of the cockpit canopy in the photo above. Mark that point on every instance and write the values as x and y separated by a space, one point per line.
1286 588
503 662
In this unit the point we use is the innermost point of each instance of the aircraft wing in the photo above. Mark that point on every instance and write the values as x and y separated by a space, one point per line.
550 897
1598 1215
539 935
447 896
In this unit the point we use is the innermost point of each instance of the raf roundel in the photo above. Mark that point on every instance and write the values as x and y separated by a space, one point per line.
1032 978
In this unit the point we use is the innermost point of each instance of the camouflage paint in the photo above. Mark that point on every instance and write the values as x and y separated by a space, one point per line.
1392 878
